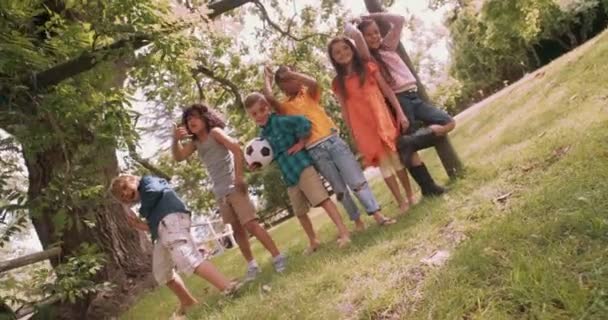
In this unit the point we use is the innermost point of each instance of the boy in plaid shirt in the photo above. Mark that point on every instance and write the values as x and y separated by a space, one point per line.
287 137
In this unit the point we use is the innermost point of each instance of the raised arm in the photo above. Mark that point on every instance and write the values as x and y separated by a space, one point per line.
393 36
181 151
307 81
352 32
267 91
239 158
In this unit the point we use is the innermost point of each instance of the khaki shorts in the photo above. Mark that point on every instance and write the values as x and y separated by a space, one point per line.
390 164
237 207
174 247
309 191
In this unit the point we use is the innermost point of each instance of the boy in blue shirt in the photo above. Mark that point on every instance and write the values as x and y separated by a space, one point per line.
287 137
168 221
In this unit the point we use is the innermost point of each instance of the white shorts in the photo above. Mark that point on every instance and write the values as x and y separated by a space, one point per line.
174 248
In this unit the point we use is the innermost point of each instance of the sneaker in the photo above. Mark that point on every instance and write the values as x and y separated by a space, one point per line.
252 273
280 263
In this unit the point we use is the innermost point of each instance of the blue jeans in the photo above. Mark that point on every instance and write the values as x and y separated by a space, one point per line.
416 109
336 162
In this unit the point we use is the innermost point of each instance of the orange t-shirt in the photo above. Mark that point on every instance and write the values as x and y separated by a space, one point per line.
368 116
308 106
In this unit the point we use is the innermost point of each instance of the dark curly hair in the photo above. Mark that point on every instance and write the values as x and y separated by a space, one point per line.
211 118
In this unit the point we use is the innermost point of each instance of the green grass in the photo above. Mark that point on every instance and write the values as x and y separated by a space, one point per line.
540 253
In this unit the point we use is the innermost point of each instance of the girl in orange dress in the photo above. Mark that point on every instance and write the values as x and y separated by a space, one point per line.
360 89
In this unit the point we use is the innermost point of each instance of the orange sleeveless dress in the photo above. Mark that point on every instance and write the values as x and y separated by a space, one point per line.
372 125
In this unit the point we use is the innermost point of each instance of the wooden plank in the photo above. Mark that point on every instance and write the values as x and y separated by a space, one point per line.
29 259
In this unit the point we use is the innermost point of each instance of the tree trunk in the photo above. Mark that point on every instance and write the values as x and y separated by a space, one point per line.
449 158
127 254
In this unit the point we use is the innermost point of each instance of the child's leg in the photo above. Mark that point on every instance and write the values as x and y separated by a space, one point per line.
437 119
229 216
209 272
174 235
332 211
300 207
162 269
309 230
179 289
388 172
245 210
326 164
263 236
403 177
311 186
242 240
350 170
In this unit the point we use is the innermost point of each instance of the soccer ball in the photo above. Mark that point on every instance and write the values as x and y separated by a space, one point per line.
258 152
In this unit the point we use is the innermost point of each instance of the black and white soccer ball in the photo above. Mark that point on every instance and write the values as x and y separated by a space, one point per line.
258 153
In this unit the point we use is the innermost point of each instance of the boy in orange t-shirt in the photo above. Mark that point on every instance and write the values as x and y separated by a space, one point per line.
331 155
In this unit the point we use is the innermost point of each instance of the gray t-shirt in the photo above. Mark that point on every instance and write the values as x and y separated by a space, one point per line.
220 165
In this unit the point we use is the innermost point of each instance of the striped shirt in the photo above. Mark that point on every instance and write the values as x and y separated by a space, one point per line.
282 132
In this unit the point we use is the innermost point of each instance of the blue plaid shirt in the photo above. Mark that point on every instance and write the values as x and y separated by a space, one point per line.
282 132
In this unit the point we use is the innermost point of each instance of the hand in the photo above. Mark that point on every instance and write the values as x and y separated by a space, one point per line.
283 72
404 124
179 132
296 147
438 130
133 221
254 167
240 184
268 74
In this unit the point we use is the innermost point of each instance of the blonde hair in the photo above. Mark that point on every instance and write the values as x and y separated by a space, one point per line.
118 182
253 98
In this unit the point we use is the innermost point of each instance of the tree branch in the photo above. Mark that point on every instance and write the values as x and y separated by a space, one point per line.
225 82
89 60
145 163
285 33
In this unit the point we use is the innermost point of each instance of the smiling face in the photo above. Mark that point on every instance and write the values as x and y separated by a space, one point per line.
372 35
341 53
124 189
259 112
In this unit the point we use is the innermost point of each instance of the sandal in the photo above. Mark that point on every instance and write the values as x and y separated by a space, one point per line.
386 221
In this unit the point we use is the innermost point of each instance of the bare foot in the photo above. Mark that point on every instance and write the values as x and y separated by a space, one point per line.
404 207
343 242
359 225
184 307
314 245
413 201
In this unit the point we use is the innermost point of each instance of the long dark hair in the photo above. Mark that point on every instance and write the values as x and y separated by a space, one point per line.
357 63
376 53
209 117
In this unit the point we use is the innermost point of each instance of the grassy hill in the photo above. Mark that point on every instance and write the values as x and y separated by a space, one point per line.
523 236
